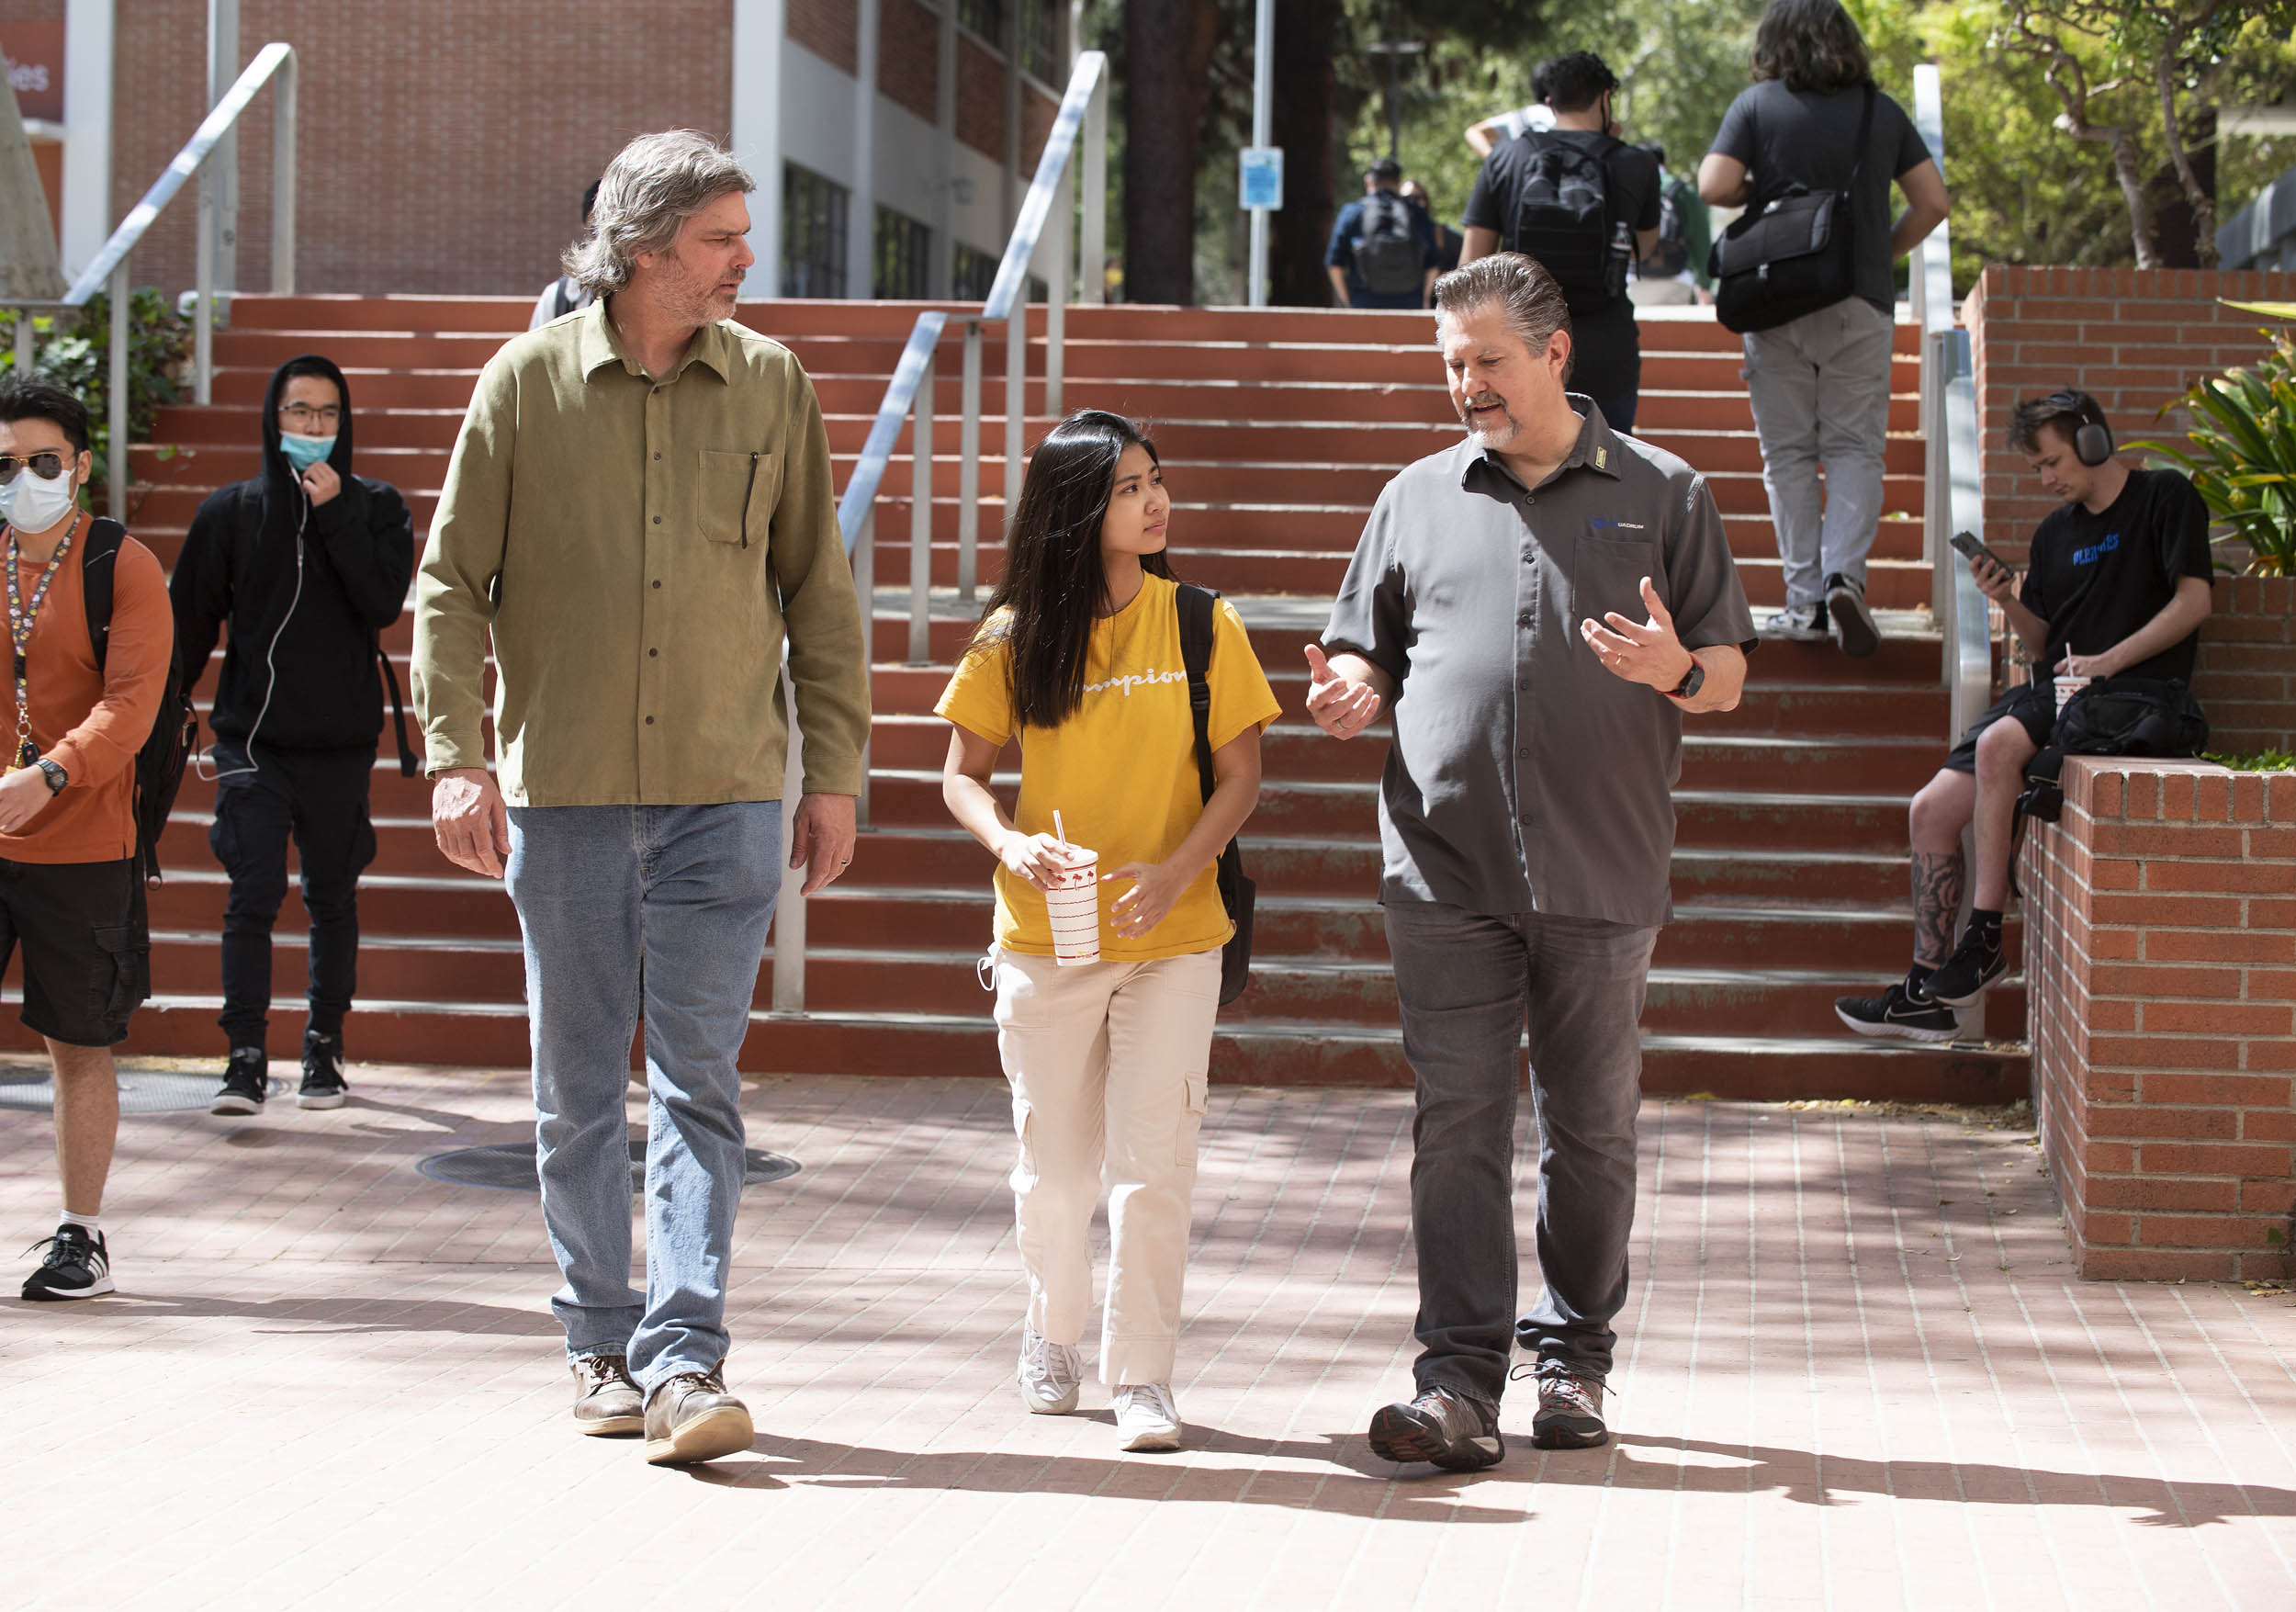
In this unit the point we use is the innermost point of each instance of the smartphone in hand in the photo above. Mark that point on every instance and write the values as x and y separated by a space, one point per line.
1966 545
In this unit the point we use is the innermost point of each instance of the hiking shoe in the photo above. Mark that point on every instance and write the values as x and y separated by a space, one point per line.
246 1082
323 1085
690 1417
1050 1375
1899 1011
1569 1408
76 1266
1974 964
605 1400
1441 1426
1147 1417
1854 626
1805 623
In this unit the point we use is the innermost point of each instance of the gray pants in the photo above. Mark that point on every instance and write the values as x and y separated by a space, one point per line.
1467 985
1820 385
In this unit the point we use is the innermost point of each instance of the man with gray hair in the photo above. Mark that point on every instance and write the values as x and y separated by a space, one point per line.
1540 605
639 511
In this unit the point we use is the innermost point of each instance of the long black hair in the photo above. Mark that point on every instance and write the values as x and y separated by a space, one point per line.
1054 583
1811 44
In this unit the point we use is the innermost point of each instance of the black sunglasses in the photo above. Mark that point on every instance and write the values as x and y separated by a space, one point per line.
46 467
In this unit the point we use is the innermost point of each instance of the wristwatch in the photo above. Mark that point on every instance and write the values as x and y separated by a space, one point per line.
1692 681
55 774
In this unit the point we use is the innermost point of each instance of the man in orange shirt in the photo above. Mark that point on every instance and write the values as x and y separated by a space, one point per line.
69 890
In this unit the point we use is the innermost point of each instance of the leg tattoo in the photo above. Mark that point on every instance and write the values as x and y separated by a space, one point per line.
1939 879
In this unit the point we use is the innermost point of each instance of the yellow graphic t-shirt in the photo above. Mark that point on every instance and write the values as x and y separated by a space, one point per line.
1121 771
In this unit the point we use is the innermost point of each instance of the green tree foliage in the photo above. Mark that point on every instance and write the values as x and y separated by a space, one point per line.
76 353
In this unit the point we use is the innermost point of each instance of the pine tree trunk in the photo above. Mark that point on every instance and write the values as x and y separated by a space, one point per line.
1167 51
1307 37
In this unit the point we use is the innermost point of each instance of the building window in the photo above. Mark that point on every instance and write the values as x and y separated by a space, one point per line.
904 256
984 17
1043 40
813 233
973 276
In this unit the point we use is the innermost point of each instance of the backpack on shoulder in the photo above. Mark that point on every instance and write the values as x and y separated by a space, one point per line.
1236 892
1671 255
1388 259
1562 218
159 768
1792 255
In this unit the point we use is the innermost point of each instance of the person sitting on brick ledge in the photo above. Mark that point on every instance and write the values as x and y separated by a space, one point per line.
2117 585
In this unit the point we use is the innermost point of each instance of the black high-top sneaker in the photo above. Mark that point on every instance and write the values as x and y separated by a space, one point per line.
246 1082
323 1085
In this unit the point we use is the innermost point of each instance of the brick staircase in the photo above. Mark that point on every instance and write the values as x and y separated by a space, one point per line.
1278 428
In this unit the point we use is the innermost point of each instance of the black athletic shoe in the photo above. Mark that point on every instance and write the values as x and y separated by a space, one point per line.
246 1082
1898 1012
1570 1409
75 1266
1852 618
1441 1426
1974 964
323 1085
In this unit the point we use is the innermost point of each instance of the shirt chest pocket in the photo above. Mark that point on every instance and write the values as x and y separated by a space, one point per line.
1607 571
737 495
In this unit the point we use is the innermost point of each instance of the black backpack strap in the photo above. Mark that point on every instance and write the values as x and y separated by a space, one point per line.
1196 605
1865 136
98 562
408 765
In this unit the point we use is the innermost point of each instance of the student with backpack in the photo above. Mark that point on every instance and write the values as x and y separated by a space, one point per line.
71 877
1098 662
1804 276
1383 252
1584 204
309 563
1674 272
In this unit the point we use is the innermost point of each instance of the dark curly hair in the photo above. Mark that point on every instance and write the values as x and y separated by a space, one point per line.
1811 45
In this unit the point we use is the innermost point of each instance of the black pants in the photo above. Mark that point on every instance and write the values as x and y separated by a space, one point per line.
1607 364
318 798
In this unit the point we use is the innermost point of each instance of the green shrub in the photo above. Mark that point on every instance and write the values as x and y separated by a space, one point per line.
2262 761
75 352
2243 454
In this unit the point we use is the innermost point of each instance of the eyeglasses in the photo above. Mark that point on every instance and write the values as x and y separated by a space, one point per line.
301 414
46 467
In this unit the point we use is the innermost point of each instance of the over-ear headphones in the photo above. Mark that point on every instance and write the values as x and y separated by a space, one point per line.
2092 435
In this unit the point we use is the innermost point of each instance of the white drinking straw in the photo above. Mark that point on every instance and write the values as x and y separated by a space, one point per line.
1060 832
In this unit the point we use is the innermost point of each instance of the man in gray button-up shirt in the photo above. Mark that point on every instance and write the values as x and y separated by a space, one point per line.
1540 606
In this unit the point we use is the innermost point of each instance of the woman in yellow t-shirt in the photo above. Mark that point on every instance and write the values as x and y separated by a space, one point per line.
1078 656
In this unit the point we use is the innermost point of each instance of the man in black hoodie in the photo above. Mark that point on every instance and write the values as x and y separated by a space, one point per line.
307 563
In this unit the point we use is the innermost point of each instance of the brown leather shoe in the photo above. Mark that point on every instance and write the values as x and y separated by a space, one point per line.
690 1417
605 1399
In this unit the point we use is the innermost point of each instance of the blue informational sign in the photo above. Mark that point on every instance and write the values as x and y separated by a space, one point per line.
1263 178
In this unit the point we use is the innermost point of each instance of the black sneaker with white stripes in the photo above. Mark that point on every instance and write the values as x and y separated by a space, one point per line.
75 1266
323 1085
1975 963
246 1082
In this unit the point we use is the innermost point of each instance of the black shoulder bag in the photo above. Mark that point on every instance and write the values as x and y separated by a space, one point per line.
160 760
1792 255
1196 607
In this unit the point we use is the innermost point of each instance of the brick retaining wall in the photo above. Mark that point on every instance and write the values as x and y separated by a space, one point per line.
2160 963
2247 675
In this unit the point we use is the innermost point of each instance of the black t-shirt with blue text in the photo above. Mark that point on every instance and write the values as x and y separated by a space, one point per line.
2095 579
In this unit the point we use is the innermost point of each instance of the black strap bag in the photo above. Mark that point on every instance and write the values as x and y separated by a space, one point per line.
1792 255
159 768
1388 259
1236 892
1562 219
2113 717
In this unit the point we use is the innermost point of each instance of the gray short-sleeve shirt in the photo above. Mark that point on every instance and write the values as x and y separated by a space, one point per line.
1526 777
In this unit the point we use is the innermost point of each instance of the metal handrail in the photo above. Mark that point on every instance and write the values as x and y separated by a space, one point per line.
110 265
909 394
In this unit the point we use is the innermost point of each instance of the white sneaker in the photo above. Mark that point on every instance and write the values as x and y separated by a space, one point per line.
1050 1375
1804 624
1147 1417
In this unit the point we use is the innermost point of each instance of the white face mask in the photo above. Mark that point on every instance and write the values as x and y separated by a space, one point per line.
32 504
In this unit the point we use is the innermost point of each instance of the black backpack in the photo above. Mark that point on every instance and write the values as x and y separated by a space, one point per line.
1388 259
1562 219
1670 254
174 730
2113 717
1196 607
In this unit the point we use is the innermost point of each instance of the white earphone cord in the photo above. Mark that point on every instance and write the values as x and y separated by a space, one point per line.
270 657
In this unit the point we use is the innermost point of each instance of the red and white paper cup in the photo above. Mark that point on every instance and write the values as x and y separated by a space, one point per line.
1074 905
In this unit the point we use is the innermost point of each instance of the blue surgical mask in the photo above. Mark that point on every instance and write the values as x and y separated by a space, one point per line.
303 452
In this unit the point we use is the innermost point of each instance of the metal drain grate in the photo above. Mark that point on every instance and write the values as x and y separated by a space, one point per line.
142 1091
509 1168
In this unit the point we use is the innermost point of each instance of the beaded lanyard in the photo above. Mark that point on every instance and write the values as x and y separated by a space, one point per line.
21 620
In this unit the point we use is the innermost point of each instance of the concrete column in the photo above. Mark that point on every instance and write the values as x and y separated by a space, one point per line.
87 121
860 219
945 119
224 62
1013 186
756 135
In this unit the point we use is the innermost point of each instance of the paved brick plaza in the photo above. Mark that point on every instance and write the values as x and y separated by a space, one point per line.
1856 1373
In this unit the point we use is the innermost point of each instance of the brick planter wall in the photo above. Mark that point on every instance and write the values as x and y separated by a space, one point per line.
2160 961
2246 677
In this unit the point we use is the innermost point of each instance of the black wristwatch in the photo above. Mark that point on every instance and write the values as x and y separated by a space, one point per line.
57 777
1692 681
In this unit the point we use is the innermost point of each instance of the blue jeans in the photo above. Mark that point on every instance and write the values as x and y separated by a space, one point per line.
1468 985
659 911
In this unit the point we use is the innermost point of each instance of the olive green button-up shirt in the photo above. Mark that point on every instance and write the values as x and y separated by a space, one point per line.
638 548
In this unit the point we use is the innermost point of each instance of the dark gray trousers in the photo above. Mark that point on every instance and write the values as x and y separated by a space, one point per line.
1468 985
